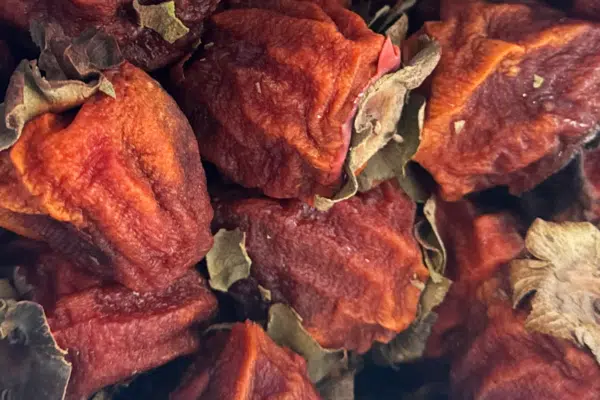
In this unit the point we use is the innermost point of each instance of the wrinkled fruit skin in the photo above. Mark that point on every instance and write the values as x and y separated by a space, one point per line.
141 46
272 93
492 355
352 273
117 185
245 363
506 105
111 332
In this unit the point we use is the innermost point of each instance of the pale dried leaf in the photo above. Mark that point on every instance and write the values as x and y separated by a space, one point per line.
33 366
349 189
285 328
162 19
338 388
565 280
397 32
392 159
228 260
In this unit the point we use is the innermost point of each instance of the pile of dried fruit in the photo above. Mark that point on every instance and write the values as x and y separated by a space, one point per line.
299 199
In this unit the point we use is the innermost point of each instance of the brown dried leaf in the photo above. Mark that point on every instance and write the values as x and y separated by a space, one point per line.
73 74
7 291
285 328
32 364
565 277
162 19
228 260
338 388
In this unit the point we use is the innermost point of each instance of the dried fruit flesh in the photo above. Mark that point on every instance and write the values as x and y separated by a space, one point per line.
111 332
507 106
141 46
272 93
353 273
245 363
116 184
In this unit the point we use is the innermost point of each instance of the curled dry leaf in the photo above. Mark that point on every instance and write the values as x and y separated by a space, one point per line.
161 18
376 123
33 366
228 261
565 280
410 344
285 328
73 73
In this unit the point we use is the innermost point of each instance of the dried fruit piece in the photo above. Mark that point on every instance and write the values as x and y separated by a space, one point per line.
117 185
111 332
245 363
72 74
564 279
272 94
354 274
33 365
144 47
521 111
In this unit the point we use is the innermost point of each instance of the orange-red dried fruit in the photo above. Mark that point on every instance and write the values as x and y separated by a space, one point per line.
111 332
491 354
513 97
116 184
142 46
353 273
272 94
245 363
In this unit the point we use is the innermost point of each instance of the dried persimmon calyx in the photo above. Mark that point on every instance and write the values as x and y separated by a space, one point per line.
563 278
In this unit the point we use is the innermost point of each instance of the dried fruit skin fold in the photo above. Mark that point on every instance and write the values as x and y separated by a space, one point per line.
513 97
141 46
117 185
272 93
245 363
111 332
354 273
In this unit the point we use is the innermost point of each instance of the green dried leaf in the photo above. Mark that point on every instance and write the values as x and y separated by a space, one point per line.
391 161
32 364
434 251
228 261
381 118
162 19
338 388
410 344
73 73
348 190
285 328
565 280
